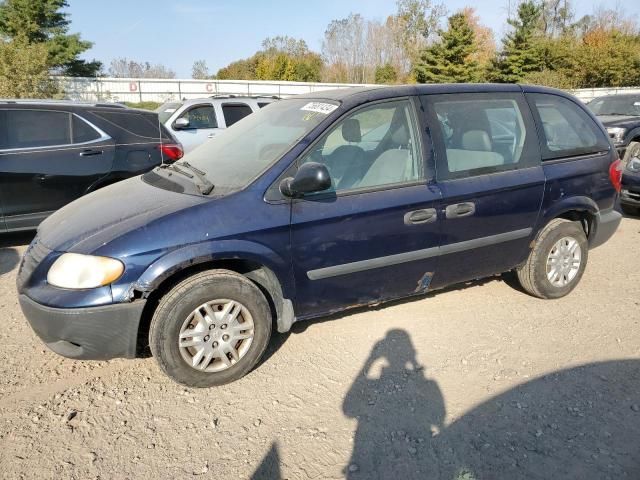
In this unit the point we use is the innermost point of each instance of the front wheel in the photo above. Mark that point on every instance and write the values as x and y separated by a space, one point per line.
210 329
557 261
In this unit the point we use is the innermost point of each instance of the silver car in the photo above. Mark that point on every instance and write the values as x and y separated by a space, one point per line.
193 122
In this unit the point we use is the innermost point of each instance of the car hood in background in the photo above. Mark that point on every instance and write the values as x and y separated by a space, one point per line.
628 121
101 216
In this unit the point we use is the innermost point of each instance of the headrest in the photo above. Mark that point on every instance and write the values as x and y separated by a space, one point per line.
351 130
476 140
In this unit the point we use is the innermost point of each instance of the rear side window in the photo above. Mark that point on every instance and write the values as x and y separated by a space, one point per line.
234 112
37 128
82 131
263 104
138 124
201 116
567 130
482 134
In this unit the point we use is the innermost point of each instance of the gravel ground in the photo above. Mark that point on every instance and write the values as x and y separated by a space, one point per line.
475 382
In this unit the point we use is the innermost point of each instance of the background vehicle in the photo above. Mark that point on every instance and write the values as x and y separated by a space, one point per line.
620 114
297 212
54 152
193 122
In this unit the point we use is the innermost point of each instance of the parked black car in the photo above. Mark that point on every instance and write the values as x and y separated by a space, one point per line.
54 152
620 114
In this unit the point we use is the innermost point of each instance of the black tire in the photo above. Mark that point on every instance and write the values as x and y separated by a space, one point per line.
633 150
630 209
174 308
533 274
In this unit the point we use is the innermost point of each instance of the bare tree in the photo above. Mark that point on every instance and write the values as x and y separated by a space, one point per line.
200 71
125 68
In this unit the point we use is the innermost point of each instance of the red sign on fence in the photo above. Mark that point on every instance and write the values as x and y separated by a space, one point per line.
209 87
133 86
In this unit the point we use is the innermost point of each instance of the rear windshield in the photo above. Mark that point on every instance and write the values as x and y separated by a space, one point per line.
167 109
233 159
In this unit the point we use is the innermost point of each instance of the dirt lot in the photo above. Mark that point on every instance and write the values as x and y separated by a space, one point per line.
476 382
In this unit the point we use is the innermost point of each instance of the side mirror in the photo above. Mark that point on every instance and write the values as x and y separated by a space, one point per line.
311 177
181 124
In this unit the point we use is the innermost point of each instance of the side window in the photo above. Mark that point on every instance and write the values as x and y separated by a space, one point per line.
567 129
263 104
372 147
201 116
82 131
234 112
482 133
37 128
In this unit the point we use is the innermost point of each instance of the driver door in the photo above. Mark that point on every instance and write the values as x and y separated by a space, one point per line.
374 235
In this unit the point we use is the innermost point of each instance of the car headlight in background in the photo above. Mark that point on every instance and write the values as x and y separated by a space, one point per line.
633 165
617 134
76 271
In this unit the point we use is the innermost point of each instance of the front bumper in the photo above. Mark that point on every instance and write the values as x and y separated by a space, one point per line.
94 333
606 225
630 194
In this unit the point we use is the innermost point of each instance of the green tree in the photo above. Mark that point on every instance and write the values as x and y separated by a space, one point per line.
43 22
451 58
386 74
521 53
23 70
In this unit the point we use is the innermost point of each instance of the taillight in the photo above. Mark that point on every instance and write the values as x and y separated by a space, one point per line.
615 174
171 151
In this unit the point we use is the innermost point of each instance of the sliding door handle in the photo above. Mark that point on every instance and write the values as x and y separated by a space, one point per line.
458 210
416 217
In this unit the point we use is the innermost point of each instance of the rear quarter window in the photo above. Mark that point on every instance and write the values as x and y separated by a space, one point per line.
234 112
567 130
134 123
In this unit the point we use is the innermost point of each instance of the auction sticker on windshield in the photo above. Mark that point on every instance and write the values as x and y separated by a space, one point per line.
319 107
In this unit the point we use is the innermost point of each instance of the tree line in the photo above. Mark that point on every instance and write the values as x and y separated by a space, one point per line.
545 43
421 43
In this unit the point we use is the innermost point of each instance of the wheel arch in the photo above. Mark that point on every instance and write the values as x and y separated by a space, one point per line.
171 269
578 209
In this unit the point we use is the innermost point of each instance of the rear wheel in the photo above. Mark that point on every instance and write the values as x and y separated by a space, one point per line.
557 261
210 329
633 150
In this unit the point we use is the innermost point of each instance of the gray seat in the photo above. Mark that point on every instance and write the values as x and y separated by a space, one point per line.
478 140
392 166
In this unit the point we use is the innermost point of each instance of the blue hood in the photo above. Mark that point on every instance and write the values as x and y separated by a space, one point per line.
96 219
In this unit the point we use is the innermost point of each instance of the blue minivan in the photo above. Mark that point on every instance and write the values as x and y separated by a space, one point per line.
320 203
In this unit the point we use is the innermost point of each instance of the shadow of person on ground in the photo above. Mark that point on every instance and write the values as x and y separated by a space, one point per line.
582 422
397 408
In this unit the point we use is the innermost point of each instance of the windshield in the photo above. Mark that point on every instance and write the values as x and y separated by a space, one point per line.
238 155
167 109
622 105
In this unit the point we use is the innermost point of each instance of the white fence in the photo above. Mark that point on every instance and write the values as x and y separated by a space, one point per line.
159 90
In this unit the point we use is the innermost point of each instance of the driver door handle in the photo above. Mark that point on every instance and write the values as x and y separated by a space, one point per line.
417 217
90 152
458 210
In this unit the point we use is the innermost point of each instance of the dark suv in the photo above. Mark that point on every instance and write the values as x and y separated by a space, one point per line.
317 204
620 114
54 152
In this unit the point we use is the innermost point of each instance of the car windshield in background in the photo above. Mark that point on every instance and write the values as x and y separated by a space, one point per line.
233 159
165 110
620 105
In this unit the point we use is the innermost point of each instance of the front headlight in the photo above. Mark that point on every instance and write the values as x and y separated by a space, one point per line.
617 134
633 165
76 271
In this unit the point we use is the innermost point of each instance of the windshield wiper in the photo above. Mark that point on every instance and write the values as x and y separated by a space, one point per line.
204 185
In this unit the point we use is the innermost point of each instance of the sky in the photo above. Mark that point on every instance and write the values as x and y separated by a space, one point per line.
175 33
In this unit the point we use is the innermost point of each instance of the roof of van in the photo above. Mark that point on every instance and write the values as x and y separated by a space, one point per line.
341 94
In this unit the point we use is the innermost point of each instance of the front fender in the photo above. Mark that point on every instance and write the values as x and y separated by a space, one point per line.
198 253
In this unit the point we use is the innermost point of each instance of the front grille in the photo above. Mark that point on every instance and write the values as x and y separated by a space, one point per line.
31 259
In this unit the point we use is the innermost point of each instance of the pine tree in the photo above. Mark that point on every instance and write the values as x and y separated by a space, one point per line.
43 22
450 59
521 53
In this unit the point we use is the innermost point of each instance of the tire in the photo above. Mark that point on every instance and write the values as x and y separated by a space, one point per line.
533 275
633 150
629 209
211 292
